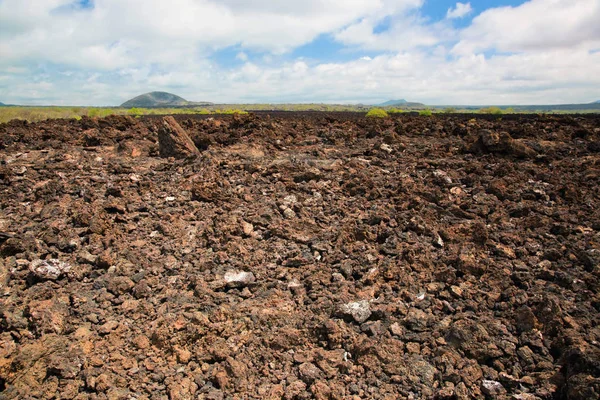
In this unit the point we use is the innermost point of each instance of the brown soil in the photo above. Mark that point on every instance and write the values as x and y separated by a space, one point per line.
301 256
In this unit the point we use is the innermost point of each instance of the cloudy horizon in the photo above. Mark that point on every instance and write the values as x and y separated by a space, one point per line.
103 52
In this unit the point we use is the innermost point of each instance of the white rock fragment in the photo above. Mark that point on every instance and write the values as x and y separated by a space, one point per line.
290 200
492 388
387 148
337 277
289 213
20 170
442 176
360 311
247 228
293 284
239 278
396 329
51 269
438 241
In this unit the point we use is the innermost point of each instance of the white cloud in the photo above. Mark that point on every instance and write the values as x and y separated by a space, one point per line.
117 33
406 32
536 25
544 51
459 11
406 29
560 76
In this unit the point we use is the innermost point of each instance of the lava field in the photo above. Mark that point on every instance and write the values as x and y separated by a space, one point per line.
300 256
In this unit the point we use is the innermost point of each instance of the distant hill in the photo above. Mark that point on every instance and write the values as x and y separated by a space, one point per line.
560 107
400 103
393 103
160 99
2 104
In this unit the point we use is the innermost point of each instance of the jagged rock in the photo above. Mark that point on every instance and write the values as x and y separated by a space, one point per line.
239 278
359 311
309 372
502 143
51 269
173 140
492 389
488 271
438 241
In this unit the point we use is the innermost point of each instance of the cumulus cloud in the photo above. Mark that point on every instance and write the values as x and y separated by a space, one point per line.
115 33
459 11
560 76
52 51
405 29
405 32
536 25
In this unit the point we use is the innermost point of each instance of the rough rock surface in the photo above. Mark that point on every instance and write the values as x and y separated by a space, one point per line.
358 311
474 274
502 143
239 278
49 269
173 140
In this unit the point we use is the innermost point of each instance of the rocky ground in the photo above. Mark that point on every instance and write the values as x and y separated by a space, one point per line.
299 256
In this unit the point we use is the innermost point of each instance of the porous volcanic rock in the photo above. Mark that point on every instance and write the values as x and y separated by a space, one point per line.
173 140
501 143
296 257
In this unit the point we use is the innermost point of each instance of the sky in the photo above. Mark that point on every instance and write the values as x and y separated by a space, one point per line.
438 52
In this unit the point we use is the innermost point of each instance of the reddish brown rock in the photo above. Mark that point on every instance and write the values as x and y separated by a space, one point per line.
173 140
421 272
502 143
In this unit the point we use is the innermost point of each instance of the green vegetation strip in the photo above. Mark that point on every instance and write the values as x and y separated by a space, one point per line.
34 114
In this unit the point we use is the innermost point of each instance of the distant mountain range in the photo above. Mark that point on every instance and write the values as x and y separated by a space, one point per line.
400 103
554 107
164 99
160 99
595 106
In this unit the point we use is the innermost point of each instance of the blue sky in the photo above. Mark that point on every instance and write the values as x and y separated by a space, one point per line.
102 52
325 48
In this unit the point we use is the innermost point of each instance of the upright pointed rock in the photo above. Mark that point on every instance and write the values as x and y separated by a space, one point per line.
173 140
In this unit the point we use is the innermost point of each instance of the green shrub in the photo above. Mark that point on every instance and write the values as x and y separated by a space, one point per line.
135 111
395 111
491 110
426 113
377 113
100 112
231 111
